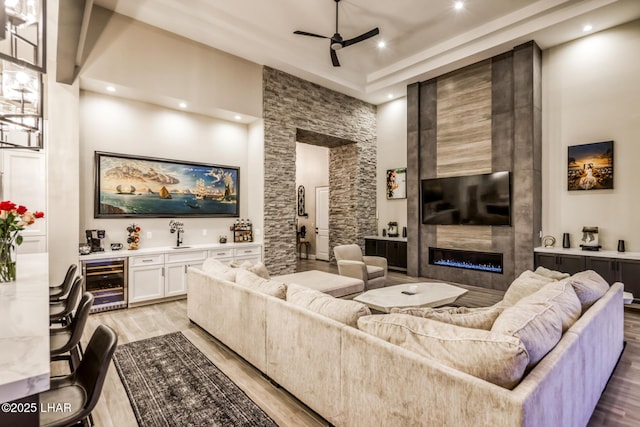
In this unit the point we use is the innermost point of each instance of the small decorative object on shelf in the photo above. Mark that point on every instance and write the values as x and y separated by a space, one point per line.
566 242
133 239
13 219
242 230
548 241
222 238
621 246
590 239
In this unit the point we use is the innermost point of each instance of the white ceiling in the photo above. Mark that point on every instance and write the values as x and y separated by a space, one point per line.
424 38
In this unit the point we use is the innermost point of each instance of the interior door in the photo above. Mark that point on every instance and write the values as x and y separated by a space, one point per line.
322 223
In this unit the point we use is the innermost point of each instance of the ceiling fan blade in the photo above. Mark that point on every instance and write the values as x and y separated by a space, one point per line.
361 37
304 33
334 58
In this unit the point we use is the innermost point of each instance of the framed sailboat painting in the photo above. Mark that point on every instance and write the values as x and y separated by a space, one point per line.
133 186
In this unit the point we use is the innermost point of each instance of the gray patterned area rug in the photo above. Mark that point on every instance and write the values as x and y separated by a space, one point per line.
171 383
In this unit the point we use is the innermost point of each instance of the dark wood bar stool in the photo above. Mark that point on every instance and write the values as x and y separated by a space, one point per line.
66 339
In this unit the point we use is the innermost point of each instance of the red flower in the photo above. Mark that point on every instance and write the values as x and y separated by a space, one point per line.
7 205
38 214
21 209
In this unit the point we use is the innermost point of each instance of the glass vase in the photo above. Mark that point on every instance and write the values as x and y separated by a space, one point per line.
7 261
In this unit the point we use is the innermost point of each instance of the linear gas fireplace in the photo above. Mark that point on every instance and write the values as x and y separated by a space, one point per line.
474 260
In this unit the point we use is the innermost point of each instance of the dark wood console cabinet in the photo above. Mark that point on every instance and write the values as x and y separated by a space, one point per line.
394 250
611 269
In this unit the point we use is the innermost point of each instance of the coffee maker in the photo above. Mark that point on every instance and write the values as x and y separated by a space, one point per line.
94 239
392 230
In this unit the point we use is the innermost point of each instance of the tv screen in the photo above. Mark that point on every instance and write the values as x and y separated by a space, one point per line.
467 200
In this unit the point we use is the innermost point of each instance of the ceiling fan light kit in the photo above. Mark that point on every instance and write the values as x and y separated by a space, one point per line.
337 42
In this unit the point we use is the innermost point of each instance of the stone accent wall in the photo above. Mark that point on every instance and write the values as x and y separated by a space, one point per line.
515 127
292 106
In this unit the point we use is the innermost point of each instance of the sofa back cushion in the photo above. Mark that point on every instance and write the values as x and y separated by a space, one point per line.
341 310
494 357
535 322
253 281
258 268
589 287
219 269
527 283
551 274
477 318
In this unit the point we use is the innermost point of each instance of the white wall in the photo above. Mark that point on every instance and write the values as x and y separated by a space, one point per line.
392 154
312 171
130 127
591 93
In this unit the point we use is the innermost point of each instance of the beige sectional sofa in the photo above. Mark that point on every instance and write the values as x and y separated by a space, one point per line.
353 378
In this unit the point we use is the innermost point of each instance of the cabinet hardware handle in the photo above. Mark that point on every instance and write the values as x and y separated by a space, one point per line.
147 260
247 251
220 253
162 271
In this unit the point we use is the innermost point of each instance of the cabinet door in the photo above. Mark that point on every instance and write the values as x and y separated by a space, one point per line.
629 274
570 263
546 260
146 283
369 247
392 254
176 281
606 267
402 254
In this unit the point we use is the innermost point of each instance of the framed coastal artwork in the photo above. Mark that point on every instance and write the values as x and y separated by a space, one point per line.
397 183
590 166
133 186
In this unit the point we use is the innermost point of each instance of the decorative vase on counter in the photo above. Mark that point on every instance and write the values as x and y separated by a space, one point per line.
7 261
13 219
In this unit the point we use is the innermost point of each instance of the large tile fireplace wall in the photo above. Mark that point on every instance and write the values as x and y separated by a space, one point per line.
483 118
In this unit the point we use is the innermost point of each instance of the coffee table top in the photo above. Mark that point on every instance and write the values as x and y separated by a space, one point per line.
428 294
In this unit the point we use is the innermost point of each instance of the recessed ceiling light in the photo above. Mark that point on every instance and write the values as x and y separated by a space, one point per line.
458 5
390 96
182 105
587 28
110 89
237 117
381 44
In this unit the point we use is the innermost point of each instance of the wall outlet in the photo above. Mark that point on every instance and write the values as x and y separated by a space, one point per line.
149 235
204 231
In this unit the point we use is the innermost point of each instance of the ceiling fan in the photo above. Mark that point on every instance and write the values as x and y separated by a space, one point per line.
337 42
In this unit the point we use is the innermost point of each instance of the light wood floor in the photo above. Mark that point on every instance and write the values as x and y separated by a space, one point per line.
619 405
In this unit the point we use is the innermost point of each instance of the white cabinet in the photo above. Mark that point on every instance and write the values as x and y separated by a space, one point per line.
176 264
251 253
222 254
146 278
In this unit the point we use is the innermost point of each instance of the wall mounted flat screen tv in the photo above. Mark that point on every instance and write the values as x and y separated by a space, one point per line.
467 200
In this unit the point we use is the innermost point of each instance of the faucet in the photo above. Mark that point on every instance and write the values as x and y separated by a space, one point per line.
176 226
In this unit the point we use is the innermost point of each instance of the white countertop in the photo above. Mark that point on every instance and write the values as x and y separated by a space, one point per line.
393 239
579 251
163 249
24 329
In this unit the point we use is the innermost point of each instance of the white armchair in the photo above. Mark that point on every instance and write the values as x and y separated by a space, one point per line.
372 270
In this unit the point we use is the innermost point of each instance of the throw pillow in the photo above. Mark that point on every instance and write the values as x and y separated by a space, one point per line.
551 274
218 269
477 318
589 287
527 283
491 356
341 310
253 281
258 268
535 323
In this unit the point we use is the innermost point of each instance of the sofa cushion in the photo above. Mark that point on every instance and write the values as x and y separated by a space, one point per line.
589 287
536 323
551 274
253 281
219 269
477 318
494 357
527 283
258 268
341 310
374 271
563 299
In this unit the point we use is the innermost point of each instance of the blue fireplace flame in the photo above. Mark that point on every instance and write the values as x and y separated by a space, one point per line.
461 264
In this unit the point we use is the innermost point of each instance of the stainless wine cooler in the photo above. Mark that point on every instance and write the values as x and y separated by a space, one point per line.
106 279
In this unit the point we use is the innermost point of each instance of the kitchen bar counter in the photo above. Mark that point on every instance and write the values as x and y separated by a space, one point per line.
24 329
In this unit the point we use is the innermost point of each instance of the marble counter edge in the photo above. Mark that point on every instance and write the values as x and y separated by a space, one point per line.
164 249
580 252
391 239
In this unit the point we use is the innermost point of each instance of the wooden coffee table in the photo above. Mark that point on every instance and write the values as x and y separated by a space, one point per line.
428 294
